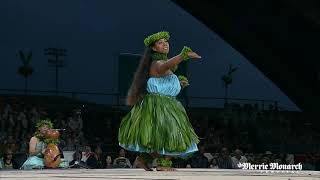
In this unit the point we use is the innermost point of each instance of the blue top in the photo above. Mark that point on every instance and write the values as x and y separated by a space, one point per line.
40 145
168 85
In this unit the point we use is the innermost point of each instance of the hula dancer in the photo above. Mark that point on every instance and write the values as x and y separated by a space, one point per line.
157 125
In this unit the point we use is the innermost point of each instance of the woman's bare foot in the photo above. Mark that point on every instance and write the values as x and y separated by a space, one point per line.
143 164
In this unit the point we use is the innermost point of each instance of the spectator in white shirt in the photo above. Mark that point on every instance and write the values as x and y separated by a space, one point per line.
238 158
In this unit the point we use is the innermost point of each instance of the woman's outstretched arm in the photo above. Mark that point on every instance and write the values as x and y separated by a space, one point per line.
161 67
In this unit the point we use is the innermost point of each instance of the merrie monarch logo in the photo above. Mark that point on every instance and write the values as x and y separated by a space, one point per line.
270 166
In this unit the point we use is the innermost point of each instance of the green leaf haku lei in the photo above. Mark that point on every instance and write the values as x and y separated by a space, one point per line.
38 135
155 37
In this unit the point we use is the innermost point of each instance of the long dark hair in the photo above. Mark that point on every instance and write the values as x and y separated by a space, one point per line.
139 82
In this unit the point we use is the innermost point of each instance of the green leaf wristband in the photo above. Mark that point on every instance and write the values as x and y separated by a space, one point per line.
184 53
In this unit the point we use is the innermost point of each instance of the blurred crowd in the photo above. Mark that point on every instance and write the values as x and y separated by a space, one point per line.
229 136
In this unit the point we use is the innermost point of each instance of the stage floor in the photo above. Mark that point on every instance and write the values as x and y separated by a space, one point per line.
128 174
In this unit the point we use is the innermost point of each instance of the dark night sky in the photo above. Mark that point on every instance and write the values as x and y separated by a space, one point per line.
95 32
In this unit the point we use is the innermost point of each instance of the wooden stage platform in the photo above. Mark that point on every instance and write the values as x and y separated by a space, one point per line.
140 174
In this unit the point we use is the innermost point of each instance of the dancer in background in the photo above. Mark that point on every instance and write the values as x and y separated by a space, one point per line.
38 145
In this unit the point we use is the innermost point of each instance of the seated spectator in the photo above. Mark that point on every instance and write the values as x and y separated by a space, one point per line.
199 160
19 158
224 161
268 154
6 162
108 162
265 160
98 156
289 158
86 153
238 158
213 164
308 164
77 162
89 157
122 161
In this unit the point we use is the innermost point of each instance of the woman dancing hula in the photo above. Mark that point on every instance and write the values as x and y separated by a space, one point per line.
157 125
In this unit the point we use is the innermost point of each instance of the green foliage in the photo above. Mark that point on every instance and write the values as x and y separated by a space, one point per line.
184 52
174 68
162 162
155 56
155 37
44 122
49 124
182 78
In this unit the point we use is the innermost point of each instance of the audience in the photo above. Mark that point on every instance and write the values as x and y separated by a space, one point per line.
247 127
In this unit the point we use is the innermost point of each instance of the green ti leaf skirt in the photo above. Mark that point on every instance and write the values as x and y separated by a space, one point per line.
159 124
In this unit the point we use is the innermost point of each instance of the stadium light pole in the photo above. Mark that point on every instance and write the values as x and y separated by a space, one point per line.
56 59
